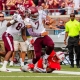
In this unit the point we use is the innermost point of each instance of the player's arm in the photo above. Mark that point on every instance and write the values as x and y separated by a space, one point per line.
23 34
15 19
34 34
11 23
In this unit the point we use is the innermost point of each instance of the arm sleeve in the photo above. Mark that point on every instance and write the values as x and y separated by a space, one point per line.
33 34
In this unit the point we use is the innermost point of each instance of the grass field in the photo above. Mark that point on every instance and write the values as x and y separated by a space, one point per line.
40 76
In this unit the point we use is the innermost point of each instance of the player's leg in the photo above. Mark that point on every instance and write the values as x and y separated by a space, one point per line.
9 47
23 52
16 45
37 49
30 50
39 66
47 41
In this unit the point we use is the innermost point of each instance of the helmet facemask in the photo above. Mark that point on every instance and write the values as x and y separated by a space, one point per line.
34 16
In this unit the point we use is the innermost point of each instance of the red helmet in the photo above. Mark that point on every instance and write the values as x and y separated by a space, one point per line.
33 12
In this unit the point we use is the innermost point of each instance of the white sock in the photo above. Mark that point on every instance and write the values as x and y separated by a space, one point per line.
5 64
20 60
22 63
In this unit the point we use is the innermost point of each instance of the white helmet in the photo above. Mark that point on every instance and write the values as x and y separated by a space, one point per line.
27 67
60 55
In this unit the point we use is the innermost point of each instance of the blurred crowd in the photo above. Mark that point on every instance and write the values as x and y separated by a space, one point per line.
54 7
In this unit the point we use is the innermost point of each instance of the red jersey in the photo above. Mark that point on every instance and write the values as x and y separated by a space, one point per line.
52 63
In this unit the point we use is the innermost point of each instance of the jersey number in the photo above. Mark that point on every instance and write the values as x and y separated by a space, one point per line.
19 26
37 24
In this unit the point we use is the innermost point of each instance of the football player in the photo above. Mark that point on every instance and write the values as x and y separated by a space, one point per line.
19 42
35 27
14 26
53 63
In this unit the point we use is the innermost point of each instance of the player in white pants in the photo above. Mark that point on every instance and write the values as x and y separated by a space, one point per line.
19 44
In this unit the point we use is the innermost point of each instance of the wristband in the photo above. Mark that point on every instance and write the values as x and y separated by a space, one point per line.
12 21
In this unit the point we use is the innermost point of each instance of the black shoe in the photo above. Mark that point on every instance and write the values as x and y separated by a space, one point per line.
72 66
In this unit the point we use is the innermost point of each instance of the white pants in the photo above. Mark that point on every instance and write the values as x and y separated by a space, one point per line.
20 45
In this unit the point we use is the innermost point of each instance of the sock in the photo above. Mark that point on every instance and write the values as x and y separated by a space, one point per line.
20 60
5 64
22 63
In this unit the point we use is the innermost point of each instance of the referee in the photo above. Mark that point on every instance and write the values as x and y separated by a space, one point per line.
72 30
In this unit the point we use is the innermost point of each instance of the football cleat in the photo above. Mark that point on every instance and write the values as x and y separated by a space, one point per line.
4 70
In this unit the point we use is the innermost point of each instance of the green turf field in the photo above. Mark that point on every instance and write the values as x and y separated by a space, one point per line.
40 76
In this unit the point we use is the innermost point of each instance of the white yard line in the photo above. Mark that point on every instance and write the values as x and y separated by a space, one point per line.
40 76
57 72
67 72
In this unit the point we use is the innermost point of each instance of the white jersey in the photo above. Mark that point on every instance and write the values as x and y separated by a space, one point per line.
3 27
15 28
37 25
